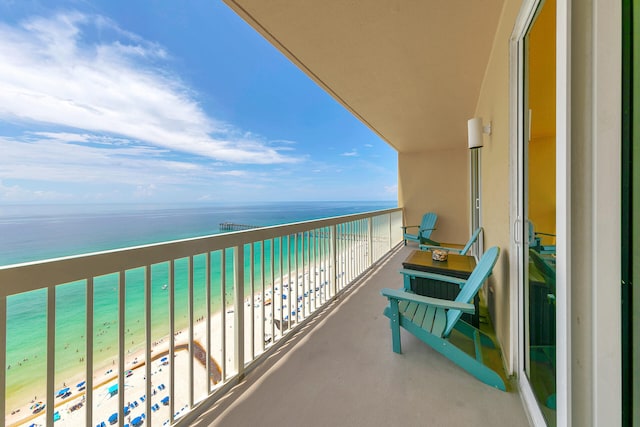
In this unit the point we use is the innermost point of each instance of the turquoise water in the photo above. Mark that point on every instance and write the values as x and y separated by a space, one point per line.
40 234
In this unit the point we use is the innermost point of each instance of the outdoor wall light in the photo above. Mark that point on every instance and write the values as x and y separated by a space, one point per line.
476 130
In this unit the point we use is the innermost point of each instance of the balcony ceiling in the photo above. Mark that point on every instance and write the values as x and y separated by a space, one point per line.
409 69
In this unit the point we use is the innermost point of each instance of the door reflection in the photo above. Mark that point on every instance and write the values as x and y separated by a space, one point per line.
540 198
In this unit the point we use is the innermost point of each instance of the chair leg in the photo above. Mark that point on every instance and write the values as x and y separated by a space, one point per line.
395 327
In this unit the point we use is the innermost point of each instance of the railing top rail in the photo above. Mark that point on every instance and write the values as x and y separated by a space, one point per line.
29 276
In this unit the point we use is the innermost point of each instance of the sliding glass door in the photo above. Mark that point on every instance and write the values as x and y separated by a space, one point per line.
537 201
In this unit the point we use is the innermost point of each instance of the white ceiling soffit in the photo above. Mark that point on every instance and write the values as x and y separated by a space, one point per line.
409 69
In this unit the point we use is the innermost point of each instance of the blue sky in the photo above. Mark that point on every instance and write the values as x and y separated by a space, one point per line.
154 101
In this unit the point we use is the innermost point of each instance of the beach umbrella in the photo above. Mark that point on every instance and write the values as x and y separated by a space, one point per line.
81 384
113 390
136 421
36 406
63 391
164 359
113 418
165 400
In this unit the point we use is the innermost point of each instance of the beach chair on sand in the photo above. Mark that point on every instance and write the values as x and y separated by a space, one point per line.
426 227
432 320
462 250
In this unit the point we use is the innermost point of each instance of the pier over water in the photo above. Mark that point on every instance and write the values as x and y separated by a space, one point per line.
230 226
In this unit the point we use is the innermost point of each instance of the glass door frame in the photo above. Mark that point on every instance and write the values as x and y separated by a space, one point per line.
475 190
518 121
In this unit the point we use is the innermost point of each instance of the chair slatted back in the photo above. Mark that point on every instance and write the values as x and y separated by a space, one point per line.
428 224
473 284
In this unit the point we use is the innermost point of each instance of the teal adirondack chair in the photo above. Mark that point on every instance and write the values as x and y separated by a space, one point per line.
432 320
426 227
535 241
463 251
544 352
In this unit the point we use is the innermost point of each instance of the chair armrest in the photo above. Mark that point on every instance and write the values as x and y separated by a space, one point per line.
427 240
434 302
425 229
433 276
404 227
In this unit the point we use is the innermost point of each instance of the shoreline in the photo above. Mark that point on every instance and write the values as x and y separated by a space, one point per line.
134 362
307 280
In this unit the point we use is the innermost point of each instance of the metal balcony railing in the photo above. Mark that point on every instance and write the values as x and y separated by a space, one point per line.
143 334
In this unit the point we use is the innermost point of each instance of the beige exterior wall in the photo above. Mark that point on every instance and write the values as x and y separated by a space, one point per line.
594 174
436 181
493 105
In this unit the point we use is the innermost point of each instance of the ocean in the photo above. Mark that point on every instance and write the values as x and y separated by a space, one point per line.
36 232
31 233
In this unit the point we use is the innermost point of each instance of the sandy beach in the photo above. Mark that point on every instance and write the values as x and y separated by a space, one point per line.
278 301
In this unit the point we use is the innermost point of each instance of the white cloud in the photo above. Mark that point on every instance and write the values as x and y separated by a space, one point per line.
144 191
84 158
16 193
391 189
368 145
50 74
352 153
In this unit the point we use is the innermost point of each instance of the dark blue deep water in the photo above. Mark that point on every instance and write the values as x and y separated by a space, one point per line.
37 232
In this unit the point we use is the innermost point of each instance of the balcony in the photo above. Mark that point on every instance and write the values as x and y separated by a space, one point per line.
341 371
296 336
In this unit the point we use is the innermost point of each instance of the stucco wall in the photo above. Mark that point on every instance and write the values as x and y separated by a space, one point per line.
436 181
493 105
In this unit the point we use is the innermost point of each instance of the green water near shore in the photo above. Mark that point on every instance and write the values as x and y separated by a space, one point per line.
27 319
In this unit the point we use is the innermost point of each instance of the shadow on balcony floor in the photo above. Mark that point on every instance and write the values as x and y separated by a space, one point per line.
342 372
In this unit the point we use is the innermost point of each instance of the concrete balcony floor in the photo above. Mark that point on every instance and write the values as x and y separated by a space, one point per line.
340 371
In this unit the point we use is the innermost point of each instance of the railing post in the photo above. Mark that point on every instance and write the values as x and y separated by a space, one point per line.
263 271
51 355
334 263
390 222
172 346
207 296
88 353
223 302
121 344
191 349
370 243
147 334
252 273
238 273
